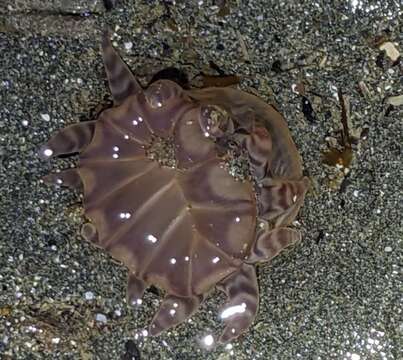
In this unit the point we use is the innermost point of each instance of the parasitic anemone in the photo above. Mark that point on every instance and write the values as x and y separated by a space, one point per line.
160 197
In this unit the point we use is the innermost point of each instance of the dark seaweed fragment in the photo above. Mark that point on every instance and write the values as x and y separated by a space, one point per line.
224 8
219 80
307 109
277 67
335 157
109 4
132 351
344 155
174 74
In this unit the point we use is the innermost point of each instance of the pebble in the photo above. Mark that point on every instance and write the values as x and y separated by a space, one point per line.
45 117
101 318
89 295
128 45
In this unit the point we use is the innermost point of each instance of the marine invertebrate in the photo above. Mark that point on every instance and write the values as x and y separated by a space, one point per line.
182 222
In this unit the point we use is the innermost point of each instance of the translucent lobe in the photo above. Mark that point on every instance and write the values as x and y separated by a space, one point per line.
108 141
173 105
280 200
122 82
259 147
134 193
191 145
210 185
240 310
166 266
129 121
72 139
160 93
68 177
205 272
90 233
135 289
285 161
215 121
270 243
173 311
220 227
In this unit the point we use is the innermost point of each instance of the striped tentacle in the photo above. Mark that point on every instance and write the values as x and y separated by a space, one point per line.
239 312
